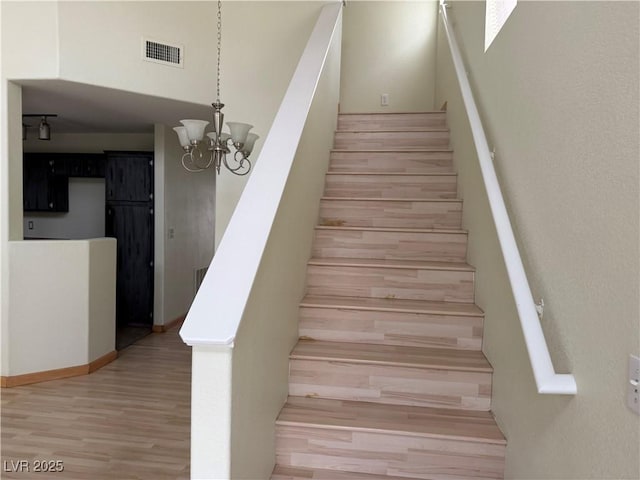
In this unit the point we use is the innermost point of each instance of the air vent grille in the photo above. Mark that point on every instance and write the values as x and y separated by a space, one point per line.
161 52
198 277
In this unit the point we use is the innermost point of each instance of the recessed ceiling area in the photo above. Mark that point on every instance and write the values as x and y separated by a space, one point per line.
83 108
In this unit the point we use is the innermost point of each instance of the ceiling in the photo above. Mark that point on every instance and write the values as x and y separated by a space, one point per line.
85 108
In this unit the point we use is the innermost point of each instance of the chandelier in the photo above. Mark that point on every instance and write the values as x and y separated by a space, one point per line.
192 132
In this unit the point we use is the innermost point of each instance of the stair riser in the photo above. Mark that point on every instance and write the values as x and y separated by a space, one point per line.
381 282
390 245
301 473
387 122
421 387
392 214
391 328
378 186
392 162
386 454
389 140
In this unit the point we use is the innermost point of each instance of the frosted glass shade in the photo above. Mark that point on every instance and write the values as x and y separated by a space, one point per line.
212 136
195 128
182 136
248 145
239 131
224 136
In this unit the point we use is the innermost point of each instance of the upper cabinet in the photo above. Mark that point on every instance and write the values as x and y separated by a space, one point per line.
129 176
46 178
45 189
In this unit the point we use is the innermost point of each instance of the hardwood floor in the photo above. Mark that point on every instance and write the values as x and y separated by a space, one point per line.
128 420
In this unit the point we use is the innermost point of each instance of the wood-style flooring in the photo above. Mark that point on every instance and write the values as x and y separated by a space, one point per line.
128 420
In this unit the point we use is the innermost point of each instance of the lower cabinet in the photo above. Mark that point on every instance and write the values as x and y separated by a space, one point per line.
132 226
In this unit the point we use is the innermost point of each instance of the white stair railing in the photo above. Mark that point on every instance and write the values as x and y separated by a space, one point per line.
547 380
242 323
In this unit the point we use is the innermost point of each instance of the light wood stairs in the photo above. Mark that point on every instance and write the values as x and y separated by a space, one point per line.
388 379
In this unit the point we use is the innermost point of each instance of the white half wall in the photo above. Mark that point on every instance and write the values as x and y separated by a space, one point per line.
61 303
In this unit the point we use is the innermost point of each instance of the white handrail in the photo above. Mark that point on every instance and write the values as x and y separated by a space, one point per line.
214 316
547 380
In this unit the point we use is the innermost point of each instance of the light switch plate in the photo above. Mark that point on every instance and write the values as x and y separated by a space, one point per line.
633 387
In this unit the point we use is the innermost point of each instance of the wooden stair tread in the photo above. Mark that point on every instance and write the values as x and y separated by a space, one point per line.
466 425
392 305
392 149
384 199
382 114
282 472
392 130
393 174
397 149
392 229
383 263
376 354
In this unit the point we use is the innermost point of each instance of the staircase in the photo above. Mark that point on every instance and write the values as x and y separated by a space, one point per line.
388 379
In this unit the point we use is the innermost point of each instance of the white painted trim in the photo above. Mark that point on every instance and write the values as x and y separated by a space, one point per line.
216 312
547 380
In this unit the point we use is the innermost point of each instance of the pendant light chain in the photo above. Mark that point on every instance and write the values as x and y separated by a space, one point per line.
219 49
192 132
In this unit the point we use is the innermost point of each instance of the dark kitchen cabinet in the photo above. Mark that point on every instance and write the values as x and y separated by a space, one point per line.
46 178
129 177
85 165
132 226
130 219
45 186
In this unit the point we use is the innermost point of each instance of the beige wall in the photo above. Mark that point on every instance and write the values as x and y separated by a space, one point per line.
29 39
187 200
101 44
558 92
388 47
255 41
89 142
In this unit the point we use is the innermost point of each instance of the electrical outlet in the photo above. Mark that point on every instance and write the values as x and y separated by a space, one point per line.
172 233
30 225
633 387
384 100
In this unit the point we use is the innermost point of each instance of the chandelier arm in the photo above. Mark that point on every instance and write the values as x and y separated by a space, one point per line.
200 157
239 162
188 154
242 163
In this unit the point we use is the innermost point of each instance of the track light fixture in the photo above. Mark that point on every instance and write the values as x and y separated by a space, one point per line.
44 129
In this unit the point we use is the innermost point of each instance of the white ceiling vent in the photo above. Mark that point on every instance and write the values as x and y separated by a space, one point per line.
162 52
